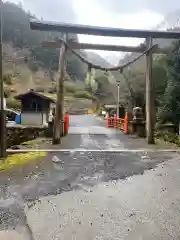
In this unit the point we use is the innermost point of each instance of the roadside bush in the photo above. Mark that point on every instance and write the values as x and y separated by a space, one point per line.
7 92
168 136
7 79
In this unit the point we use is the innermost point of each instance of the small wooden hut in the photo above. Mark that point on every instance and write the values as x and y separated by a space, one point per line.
35 108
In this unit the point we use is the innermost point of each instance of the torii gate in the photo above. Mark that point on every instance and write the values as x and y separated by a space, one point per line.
114 32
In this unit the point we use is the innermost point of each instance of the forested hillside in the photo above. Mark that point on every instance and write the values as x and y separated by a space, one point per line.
17 32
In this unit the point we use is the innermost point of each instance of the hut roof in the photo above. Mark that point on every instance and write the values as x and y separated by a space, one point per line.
31 92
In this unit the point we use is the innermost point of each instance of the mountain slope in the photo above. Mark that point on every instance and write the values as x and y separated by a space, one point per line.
171 20
97 59
27 43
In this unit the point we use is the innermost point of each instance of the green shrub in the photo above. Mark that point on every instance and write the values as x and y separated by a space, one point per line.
7 92
70 89
168 136
13 103
112 112
7 79
82 94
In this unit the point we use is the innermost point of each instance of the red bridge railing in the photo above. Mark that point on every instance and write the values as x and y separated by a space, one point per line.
119 123
66 123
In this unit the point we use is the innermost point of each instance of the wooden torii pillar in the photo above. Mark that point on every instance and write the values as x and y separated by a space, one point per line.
58 120
59 116
150 101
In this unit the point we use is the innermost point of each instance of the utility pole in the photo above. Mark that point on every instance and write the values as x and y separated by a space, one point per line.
59 114
118 97
2 112
150 103
62 88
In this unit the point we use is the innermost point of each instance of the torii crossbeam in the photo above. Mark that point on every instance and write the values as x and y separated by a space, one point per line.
101 31
106 47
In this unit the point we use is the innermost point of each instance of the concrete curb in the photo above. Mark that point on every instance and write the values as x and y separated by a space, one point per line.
92 150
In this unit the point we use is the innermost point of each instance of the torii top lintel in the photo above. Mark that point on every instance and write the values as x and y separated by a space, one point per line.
100 31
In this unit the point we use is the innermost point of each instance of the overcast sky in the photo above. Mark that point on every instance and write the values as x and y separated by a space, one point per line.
134 14
130 6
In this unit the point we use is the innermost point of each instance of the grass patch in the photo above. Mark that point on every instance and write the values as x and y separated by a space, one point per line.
36 143
30 142
82 94
70 89
53 96
20 159
161 142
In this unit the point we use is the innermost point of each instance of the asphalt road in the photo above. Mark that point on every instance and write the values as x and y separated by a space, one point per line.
84 193
88 132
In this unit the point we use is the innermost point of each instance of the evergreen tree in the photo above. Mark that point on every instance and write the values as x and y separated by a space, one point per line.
170 105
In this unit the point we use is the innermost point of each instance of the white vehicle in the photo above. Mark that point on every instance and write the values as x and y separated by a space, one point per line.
103 113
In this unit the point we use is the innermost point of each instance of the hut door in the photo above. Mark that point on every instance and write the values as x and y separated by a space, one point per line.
34 105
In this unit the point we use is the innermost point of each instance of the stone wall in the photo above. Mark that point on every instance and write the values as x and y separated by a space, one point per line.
19 134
